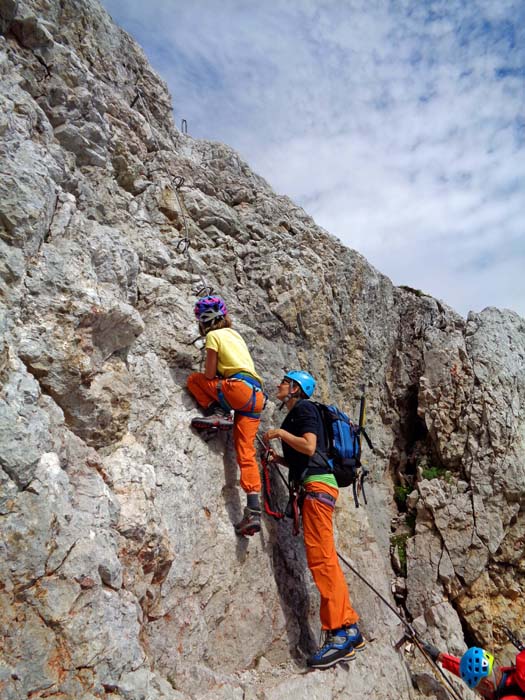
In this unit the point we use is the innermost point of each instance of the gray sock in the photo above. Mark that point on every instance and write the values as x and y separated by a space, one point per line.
253 501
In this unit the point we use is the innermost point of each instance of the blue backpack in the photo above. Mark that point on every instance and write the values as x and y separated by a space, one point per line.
343 441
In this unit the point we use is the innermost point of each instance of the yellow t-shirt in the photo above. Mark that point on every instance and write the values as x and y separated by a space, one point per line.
232 353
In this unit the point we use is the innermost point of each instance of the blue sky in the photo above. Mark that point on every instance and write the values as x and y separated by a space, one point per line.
398 125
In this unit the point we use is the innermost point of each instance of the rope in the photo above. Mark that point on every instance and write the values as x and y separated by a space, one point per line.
177 181
293 493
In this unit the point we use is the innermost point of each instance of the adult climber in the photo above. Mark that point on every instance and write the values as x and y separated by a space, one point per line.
476 668
303 440
230 383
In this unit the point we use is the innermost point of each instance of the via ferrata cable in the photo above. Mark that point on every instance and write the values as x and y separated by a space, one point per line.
176 182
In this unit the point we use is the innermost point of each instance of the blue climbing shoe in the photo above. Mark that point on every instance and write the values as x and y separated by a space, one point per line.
338 646
355 637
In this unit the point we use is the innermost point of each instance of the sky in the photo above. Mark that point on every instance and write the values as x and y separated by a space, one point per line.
398 125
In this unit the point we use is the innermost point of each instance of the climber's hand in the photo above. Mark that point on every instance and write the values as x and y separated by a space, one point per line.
431 650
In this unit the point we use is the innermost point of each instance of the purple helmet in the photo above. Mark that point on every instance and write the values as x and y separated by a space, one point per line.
209 308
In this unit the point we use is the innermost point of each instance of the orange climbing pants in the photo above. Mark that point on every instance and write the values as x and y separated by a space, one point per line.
336 609
238 394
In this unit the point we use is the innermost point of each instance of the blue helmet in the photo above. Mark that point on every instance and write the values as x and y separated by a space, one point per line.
475 664
304 379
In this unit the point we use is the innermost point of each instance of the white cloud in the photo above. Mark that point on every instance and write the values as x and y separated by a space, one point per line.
396 125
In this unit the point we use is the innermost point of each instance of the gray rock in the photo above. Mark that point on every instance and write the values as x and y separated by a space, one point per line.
12 265
8 10
143 684
116 651
27 423
30 32
121 571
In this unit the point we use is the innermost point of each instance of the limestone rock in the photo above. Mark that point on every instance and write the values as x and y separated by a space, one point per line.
121 573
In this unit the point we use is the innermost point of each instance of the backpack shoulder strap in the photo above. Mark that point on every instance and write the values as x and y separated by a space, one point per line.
324 457
323 409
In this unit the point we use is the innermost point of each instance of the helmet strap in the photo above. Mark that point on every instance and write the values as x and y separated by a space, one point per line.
290 396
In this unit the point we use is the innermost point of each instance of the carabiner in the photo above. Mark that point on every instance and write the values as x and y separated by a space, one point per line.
182 245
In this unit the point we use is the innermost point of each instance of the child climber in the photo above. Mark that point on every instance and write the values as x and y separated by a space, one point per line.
476 668
230 382
302 437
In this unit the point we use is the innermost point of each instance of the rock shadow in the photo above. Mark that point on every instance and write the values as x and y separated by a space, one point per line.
291 577
231 492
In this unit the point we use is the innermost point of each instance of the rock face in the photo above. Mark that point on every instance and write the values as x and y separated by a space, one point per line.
120 574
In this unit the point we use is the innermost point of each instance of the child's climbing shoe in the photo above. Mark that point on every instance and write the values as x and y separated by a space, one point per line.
250 524
338 646
217 421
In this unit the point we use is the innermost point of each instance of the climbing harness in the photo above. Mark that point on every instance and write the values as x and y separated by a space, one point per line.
321 497
295 494
248 409
176 183
355 475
